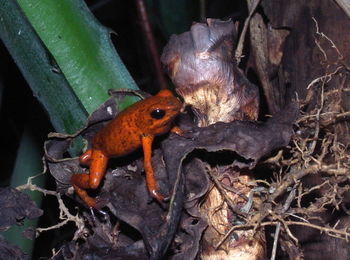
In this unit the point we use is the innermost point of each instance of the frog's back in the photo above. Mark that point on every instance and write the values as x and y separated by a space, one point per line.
121 136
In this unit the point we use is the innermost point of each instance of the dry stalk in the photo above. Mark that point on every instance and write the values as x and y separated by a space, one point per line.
64 215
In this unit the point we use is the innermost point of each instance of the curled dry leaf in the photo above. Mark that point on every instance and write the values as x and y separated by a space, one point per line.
202 66
15 207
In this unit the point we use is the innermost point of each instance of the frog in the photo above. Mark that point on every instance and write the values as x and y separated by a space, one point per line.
133 128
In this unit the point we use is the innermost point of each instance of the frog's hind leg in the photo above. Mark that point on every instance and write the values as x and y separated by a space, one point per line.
81 181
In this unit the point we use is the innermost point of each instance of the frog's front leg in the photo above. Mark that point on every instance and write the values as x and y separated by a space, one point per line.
81 181
151 182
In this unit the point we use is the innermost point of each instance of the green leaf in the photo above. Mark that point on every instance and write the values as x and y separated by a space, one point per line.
53 91
81 46
68 61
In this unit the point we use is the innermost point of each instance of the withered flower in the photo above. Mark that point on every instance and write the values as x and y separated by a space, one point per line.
202 65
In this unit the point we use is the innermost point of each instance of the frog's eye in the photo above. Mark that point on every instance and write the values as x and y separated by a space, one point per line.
158 113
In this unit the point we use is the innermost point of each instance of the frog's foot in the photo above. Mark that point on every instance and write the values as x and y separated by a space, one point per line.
160 198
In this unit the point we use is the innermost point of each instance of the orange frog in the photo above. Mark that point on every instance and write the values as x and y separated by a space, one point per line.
134 127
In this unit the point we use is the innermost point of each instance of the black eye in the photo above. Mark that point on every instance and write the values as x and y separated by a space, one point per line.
158 113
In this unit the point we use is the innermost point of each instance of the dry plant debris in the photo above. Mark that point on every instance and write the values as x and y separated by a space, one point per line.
311 175
286 200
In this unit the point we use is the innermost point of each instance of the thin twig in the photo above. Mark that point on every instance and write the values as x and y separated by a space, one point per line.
325 78
32 187
234 209
235 191
240 44
275 241
296 175
150 42
65 215
286 206
321 34
202 10
341 234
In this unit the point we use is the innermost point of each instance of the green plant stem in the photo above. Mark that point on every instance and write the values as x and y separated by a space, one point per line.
28 163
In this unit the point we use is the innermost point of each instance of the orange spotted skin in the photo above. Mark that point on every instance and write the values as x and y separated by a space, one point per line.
131 129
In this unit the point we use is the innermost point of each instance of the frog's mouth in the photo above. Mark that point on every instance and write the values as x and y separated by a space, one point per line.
174 108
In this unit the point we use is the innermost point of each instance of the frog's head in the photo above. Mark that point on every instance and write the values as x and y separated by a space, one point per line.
159 112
